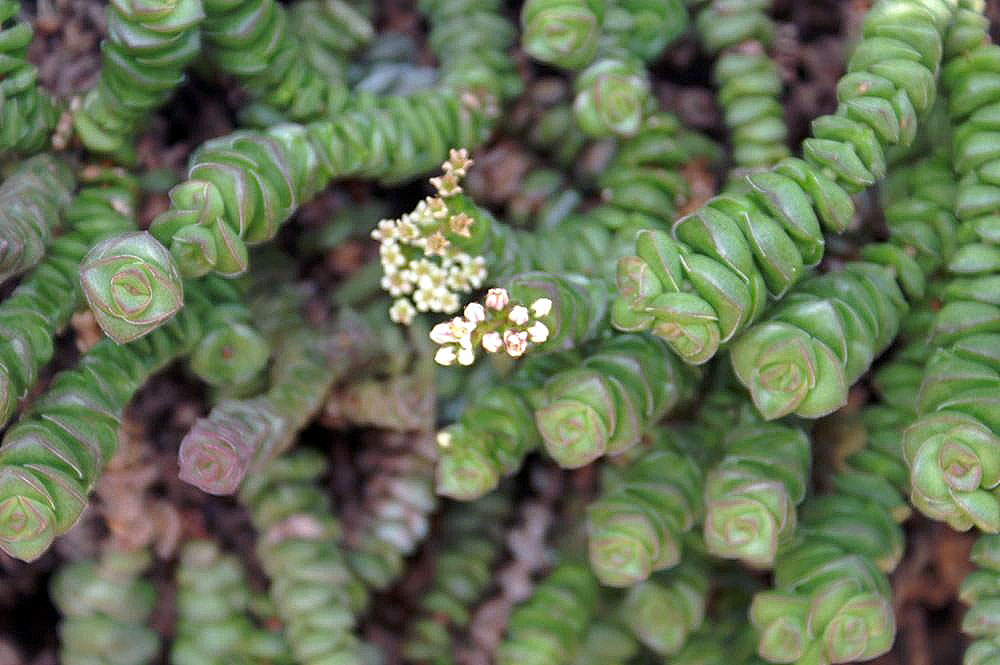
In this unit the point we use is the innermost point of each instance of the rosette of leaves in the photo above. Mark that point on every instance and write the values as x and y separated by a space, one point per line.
44 301
495 431
313 590
665 609
705 282
822 337
612 97
804 357
551 625
645 27
105 605
253 41
31 202
953 448
240 435
751 495
981 592
603 406
213 598
232 351
27 114
828 606
51 458
638 523
143 59
749 87
565 33
473 542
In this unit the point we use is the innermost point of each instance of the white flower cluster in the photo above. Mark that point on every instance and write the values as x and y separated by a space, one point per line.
495 325
421 268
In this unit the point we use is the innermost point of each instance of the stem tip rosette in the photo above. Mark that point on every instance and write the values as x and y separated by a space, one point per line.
132 285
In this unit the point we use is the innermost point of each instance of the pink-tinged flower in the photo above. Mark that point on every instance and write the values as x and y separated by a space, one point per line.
516 342
458 161
466 356
519 315
492 342
497 299
538 332
460 224
541 307
445 356
475 312
460 328
441 334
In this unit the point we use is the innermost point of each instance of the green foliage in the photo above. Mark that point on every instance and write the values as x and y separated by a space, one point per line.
31 200
707 281
50 459
637 525
213 597
45 299
143 59
752 493
603 406
953 449
462 574
664 610
550 626
105 605
314 592
27 114
981 592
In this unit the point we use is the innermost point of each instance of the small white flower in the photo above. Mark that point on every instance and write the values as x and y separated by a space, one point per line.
422 299
476 271
441 333
391 253
407 231
538 332
437 208
492 342
497 299
516 342
445 356
450 302
519 315
396 284
475 312
466 356
386 230
402 311
541 307
461 329
444 439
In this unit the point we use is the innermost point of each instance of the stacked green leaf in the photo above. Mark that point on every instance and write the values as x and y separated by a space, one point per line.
749 87
827 331
638 523
607 642
329 31
551 625
705 282
953 448
314 592
31 202
981 592
665 609
254 41
495 431
244 434
44 301
831 601
143 59
213 599
472 537
27 113
751 495
105 605
51 459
